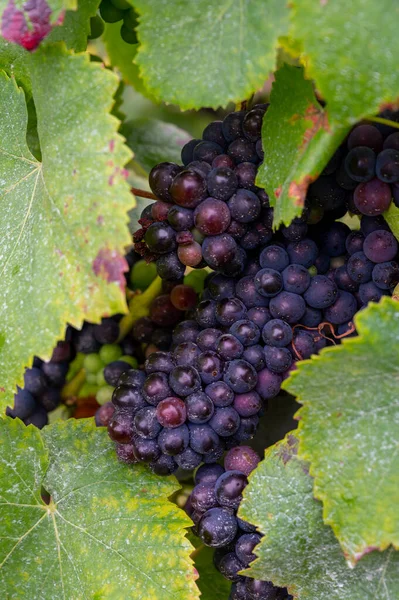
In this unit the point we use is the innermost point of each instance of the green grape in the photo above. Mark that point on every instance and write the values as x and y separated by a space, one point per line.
87 389
109 12
142 274
75 366
121 4
130 360
312 271
195 279
96 27
130 19
93 363
110 352
92 378
128 35
104 394
100 378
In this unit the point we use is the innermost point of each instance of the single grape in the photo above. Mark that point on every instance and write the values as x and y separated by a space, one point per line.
34 381
274 257
183 297
277 360
229 488
203 438
240 376
241 458
38 417
160 238
296 279
252 124
255 356
146 424
159 361
156 388
229 347
203 497
109 12
268 384
288 306
180 219
230 310
343 309
369 224
246 291
219 250
354 242
246 332
369 292
220 393
225 421
365 135
321 293
360 163
217 527
171 412
132 378
229 566
260 315
188 188
186 331
96 27
242 150
55 372
373 197
303 252
188 150
245 173
261 590
213 132
120 429
359 267
145 450
212 217
387 167
380 246
188 459
296 231
222 183
199 407
104 415
209 366
128 35
244 206
268 282
174 441
24 405
125 453
245 547
164 465
386 275
184 380
114 370
344 281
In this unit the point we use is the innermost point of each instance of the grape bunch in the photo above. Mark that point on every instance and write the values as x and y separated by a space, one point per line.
114 11
209 212
212 506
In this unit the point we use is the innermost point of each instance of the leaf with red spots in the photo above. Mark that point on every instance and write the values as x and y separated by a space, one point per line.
298 550
28 23
298 140
63 228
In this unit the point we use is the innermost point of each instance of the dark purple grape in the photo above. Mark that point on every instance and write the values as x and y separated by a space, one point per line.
146 450
132 378
160 238
163 313
392 141
190 254
344 281
246 173
360 163
223 160
203 438
229 488
160 179
220 286
369 224
225 421
373 197
188 459
230 310
217 527
185 354
219 250
159 361
246 431
343 309
232 125
325 192
246 332
261 590
296 231
240 376
222 183
241 458
387 167
187 151
203 497
354 242
34 381
208 474
360 267
162 338
242 150
229 347
174 441
245 547
296 279
209 367
128 397
104 414
229 566
369 292
188 188
312 317
156 388
380 246
321 293
206 151
181 219
303 252
304 344
386 275
220 393
142 330
238 590
259 315
199 408
24 405
212 217
268 384
244 206
186 331
145 423
184 380
334 239
252 124
125 453
214 133
268 282
114 370
278 360
255 356
322 263
120 429
171 412
246 291
208 339
365 135
205 314
164 465
107 332
288 306
38 417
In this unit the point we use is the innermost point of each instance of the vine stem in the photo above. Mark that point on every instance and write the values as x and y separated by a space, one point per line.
197 550
143 193
139 306
383 121
72 387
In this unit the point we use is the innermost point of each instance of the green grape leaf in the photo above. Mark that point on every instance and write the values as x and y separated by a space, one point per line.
108 530
154 141
392 218
121 55
199 54
298 551
14 60
348 430
298 139
353 64
211 583
63 220
76 26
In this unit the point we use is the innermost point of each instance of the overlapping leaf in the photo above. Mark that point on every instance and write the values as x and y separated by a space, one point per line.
211 583
63 220
298 550
109 530
198 54
348 430
76 26
298 140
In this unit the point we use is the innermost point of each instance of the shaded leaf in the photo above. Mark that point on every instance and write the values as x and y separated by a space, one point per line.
108 531
298 551
63 220
348 430
76 26
211 583
298 139
198 54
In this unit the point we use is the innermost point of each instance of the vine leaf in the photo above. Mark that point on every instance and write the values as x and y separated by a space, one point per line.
63 220
355 72
108 531
28 23
298 551
154 141
76 26
348 430
210 582
209 55
298 139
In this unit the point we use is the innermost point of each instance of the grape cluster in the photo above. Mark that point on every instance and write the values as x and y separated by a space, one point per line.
210 212
113 11
212 506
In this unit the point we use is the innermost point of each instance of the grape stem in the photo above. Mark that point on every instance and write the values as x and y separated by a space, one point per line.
319 328
73 386
139 306
383 121
143 193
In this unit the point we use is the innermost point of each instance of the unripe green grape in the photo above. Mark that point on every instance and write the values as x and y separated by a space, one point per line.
195 279
130 360
75 366
109 12
96 27
142 275
104 394
93 363
92 378
128 35
100 378
110 352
